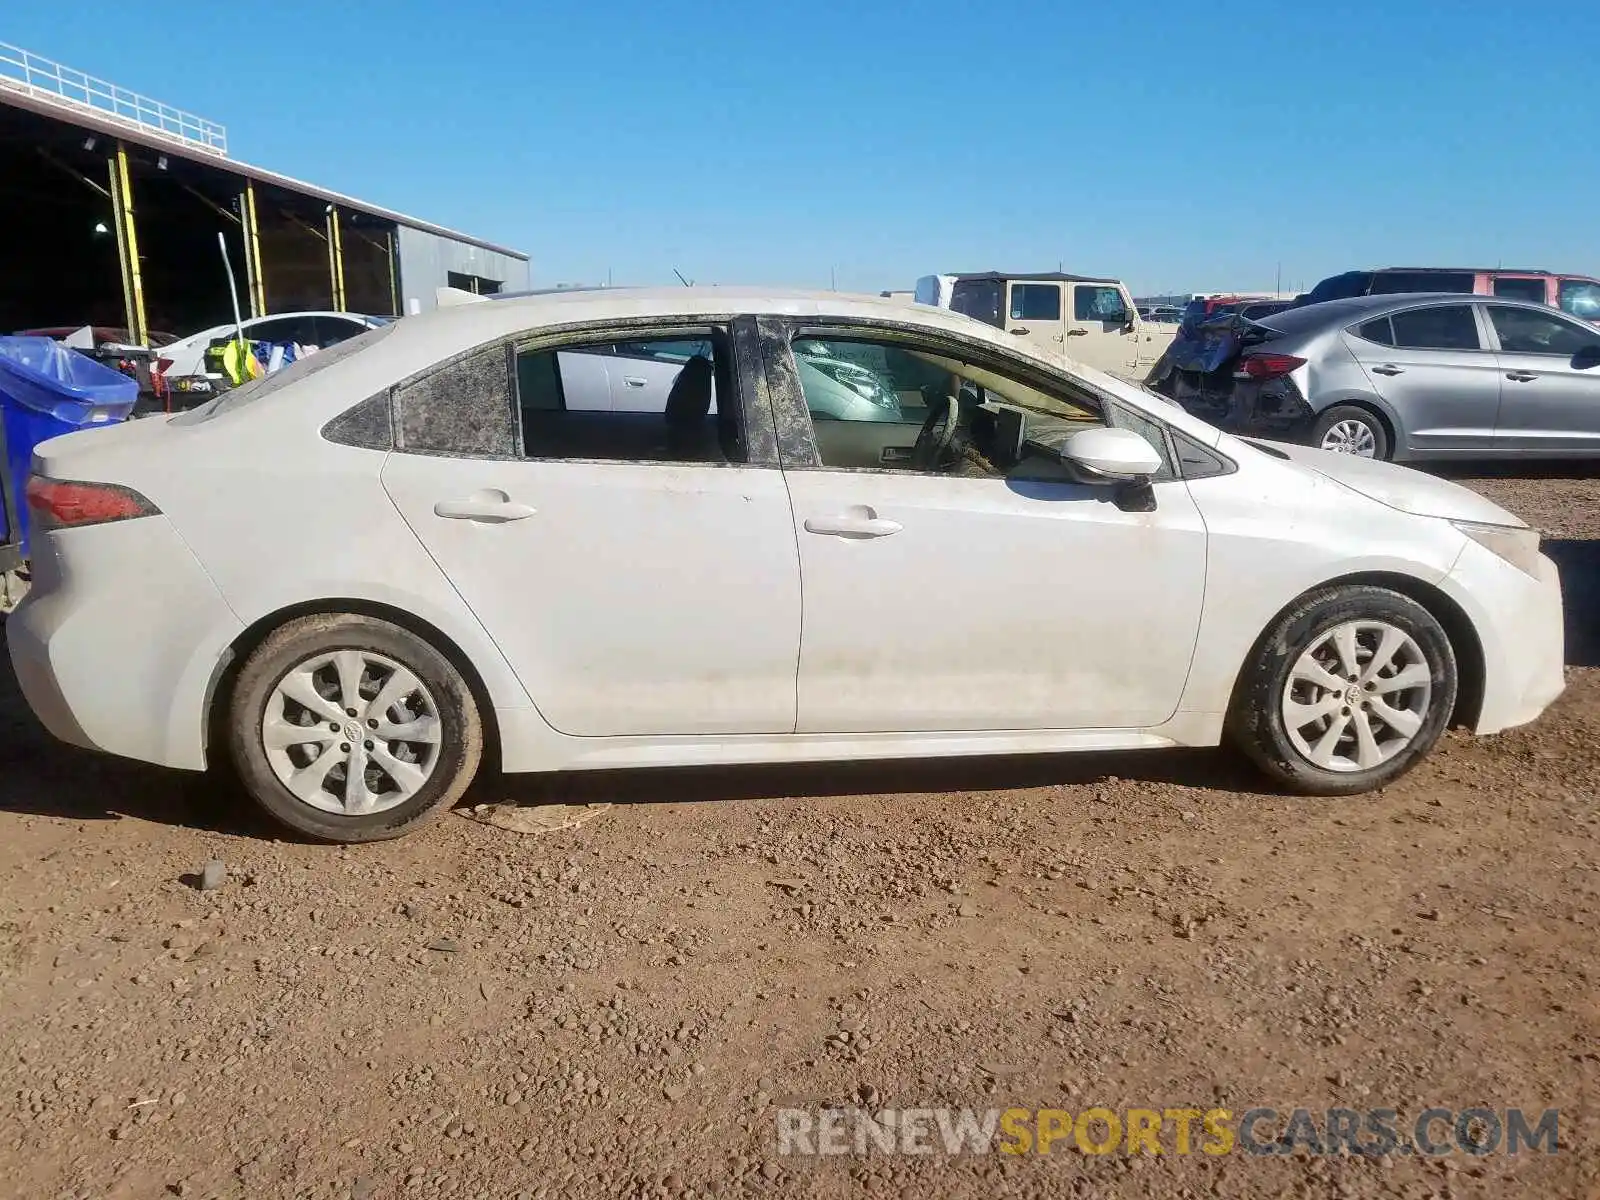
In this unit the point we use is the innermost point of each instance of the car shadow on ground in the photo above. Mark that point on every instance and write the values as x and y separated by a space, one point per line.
1578 560
1212 769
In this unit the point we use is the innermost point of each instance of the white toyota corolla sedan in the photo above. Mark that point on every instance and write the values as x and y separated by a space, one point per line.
353 578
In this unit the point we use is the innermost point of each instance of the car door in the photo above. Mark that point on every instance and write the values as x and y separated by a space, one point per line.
641 578
987 597
1034 316
641 373
1098 329
1431 365
1549 381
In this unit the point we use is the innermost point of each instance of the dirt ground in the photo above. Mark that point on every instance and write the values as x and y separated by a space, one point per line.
620 1009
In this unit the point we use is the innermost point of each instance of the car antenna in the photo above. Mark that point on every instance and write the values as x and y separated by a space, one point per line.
681 279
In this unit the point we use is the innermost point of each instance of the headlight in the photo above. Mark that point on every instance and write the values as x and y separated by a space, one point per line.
1518 545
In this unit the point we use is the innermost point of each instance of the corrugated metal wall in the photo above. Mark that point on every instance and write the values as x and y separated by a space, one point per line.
427 259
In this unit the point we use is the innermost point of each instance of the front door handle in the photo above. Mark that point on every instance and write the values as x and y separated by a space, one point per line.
849 525
1521 376
1077 332
490 506
1388 369
1020 330
634 380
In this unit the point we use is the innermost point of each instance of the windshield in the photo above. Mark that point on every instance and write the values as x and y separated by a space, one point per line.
1581 298
258 389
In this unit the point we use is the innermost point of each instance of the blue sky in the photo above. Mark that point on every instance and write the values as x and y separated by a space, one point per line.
1180 146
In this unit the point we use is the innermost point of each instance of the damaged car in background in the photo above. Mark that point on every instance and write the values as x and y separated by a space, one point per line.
1403 377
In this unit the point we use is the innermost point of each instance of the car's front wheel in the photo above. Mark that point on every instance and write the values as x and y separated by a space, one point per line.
351 729
1346 691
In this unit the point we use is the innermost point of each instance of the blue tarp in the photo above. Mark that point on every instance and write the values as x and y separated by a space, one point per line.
47 390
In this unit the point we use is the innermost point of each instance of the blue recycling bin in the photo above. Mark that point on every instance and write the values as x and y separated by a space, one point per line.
47 390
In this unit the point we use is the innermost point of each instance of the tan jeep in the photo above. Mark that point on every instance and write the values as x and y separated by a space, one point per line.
1087 320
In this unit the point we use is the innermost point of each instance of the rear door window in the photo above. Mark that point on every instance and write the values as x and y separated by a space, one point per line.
1520 289
1035 301
980 299
1445 327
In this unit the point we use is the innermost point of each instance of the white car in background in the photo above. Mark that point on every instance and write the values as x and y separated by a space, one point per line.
350 578
320 329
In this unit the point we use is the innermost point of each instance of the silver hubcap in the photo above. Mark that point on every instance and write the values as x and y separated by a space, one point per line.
1357 696
1351 437
351 732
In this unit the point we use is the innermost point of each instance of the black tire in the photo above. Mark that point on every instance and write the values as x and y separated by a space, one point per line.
460 729
1256 722
1340 413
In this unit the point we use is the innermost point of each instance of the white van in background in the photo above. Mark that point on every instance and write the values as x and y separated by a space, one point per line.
1068 317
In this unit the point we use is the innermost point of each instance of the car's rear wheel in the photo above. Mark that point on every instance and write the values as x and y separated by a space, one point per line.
1346 692
351 729
1346 429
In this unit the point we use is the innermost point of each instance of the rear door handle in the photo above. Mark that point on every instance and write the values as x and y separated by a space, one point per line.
491 507
634 380
1388 369
853 527
1020 329
1521 376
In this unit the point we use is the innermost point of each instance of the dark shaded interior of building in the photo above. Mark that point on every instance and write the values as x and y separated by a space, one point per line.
59 262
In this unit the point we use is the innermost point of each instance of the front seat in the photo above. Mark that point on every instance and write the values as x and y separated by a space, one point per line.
688 405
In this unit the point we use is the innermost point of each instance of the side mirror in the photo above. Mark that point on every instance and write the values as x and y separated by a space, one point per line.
1110 455
1587 358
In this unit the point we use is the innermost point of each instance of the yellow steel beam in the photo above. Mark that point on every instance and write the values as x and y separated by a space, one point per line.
252 251
128 246
336 258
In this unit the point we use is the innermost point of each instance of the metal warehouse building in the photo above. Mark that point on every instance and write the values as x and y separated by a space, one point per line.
110 205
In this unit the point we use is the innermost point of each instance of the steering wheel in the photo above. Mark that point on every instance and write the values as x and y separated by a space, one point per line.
937 432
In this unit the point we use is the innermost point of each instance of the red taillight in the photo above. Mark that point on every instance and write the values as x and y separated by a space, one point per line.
1267 366
58 504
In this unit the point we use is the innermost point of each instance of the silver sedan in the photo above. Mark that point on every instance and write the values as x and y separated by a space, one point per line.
1424 375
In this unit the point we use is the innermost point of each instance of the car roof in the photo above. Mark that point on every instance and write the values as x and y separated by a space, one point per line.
420 341
1356 308
1467 270
502 314
1050 276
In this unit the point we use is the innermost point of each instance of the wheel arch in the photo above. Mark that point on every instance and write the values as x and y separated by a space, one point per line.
1458 628
219 691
